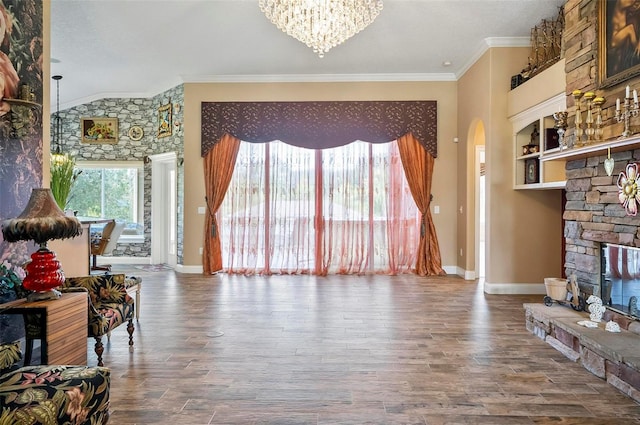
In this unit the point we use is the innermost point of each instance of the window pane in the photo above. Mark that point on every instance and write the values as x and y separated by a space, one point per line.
86 194
110 191
118 192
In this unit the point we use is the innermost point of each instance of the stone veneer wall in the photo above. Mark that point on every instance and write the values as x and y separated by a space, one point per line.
593 215
592 212
132 111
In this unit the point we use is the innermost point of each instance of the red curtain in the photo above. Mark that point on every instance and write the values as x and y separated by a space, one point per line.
219 163
418 168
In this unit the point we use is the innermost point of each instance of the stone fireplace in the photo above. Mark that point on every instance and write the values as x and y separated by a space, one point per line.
597 229
595 223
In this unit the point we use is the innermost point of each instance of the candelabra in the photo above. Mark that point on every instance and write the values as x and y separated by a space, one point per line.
628 110
592 128
561 126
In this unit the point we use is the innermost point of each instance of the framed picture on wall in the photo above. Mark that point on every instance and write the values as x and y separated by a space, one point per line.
164 120
531 171
99 130
618 32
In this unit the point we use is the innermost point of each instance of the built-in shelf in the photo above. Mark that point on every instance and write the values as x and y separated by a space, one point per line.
595 149
535 137
559 184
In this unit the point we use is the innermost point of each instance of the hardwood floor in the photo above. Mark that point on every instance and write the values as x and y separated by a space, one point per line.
344 350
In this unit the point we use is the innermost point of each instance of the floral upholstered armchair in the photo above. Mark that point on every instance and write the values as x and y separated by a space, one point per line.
51 395
110 306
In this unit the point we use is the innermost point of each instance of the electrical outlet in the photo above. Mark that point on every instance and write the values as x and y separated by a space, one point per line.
201 210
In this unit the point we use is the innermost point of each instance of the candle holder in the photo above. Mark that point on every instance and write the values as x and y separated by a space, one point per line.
599 132
577 96
629 109
589 130
561 126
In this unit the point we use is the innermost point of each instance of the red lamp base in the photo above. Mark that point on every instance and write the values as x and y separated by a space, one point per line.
43 272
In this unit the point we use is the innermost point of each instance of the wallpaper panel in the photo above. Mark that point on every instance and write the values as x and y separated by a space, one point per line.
20 114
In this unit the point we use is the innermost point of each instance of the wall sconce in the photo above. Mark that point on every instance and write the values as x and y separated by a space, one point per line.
24 116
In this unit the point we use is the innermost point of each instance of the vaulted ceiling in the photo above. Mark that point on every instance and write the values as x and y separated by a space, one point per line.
139 48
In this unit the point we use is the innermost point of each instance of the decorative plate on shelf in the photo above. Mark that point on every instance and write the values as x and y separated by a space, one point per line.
136 132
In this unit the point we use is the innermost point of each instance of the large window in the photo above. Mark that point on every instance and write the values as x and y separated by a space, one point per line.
345 210
112 189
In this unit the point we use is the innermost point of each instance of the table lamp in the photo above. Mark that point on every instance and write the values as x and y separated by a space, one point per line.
41 221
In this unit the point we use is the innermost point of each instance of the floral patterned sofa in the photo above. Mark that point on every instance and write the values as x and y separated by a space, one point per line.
51 395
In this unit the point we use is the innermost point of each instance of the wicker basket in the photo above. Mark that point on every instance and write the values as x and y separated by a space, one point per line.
556 288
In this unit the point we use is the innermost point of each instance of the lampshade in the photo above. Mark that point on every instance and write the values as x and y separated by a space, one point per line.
321 24
42 220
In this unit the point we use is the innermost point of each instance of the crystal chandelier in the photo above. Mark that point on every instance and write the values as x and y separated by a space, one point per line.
321 24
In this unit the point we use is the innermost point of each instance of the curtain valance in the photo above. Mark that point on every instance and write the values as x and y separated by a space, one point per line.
320 125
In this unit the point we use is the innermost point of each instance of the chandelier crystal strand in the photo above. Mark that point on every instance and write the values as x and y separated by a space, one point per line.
321 24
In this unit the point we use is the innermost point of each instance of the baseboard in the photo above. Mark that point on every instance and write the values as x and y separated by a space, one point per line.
180 268
465 274
514 288
450 269
101 261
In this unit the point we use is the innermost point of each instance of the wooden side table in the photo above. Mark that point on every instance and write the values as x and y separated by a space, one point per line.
64 324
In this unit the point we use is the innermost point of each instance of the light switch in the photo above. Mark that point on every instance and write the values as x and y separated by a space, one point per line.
436 209
201 210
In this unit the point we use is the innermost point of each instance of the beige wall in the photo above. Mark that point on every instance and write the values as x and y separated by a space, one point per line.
473 112
445 173
524 228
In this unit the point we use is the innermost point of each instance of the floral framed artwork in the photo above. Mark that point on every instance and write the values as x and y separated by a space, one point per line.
99 130
618 35
164 120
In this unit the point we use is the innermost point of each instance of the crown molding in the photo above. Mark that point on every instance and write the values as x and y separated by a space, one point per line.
489 43
317 78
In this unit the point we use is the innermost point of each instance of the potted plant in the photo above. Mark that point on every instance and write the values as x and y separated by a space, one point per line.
63 177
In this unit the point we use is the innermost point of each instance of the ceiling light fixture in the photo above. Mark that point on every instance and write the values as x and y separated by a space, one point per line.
57 122
321 24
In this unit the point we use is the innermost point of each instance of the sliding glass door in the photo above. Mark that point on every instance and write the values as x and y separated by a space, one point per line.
345 210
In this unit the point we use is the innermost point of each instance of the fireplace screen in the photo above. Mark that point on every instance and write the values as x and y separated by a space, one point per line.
620 282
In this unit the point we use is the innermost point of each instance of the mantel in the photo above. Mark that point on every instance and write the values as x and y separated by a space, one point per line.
595 149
